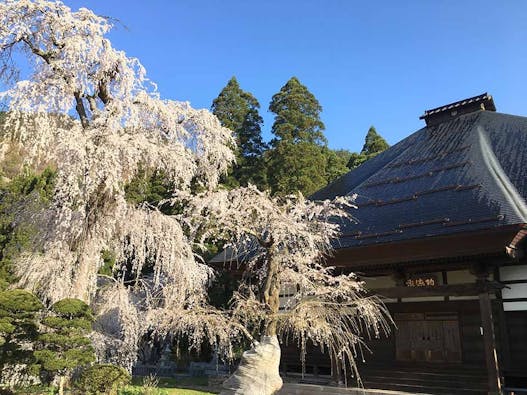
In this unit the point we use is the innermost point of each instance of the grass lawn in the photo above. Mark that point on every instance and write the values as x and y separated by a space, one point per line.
177 391
181 386
166 386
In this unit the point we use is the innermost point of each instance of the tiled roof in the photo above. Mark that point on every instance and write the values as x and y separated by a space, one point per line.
463 175
485 97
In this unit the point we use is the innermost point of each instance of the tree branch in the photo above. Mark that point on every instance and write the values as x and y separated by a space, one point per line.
103 92
81 110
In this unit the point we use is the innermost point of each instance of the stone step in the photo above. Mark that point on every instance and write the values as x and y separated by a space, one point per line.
424 388
310 389
458 370
429 377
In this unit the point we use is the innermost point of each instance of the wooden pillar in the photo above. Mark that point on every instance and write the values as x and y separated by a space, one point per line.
489 341
399 276
482 271
505 353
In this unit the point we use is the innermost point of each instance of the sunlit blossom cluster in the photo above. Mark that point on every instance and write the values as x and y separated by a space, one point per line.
287 241
89 111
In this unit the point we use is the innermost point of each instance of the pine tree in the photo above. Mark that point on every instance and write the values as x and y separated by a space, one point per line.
297 160
66 346
238 111
374 144
18 329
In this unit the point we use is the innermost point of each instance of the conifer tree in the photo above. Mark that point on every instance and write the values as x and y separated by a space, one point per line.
238 111
20 197
337 161
297 160
374 144
18 328
65 346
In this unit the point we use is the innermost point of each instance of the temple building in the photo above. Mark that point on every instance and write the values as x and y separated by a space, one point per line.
440 234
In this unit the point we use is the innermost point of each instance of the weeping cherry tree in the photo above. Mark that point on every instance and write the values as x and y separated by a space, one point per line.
89 112
279 243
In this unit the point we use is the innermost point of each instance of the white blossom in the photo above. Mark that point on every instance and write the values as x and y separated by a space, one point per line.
89 111
279 242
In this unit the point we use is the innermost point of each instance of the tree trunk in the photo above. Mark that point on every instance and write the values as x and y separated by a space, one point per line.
62 379
270 293
258 372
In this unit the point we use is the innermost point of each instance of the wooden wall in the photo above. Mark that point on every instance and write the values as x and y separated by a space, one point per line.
383 350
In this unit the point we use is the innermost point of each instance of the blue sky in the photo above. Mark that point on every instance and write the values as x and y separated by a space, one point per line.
368 62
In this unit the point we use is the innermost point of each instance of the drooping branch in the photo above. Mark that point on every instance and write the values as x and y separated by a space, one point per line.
271 289
46 56
122 127
281 242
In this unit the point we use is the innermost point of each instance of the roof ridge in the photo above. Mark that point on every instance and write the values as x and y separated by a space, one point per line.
459 103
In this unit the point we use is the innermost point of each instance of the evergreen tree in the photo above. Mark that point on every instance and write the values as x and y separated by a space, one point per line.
18 329
374 144
297 160
26 193
238 111
65 345
337 161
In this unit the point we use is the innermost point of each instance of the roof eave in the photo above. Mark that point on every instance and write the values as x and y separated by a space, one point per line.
483 242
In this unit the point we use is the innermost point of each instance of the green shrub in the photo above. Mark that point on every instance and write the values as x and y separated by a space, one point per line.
103 379
19 301
130 390
35 390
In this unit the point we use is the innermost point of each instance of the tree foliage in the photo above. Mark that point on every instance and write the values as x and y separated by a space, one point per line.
337 161
20 198
297 114
91 111
64 345
374 144
19 318
280 243
238 111
297 158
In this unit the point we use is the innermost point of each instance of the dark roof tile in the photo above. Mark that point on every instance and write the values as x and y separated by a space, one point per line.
466 174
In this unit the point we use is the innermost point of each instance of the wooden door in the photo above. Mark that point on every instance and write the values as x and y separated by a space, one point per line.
403 340
427 339
452 342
